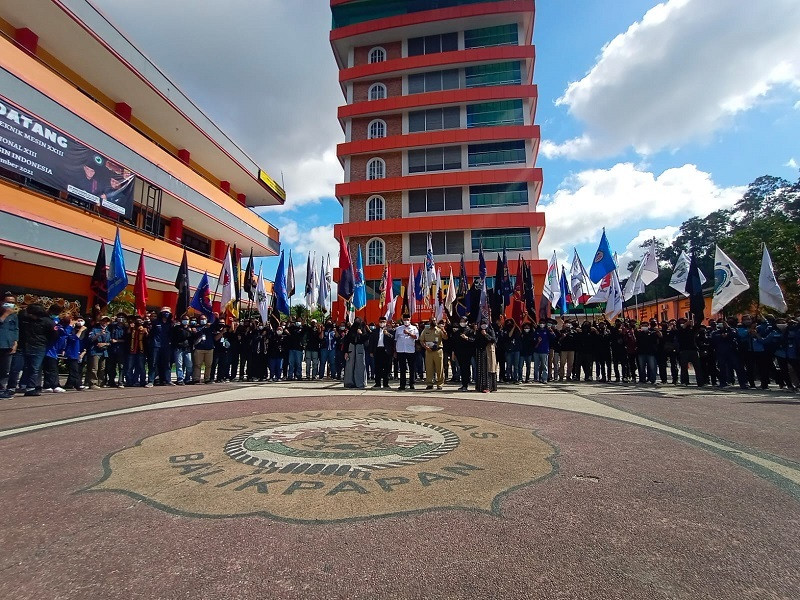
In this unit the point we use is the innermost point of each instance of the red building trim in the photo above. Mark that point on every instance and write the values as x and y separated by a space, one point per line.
472 220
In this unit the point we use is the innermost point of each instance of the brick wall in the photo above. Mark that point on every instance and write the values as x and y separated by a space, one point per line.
393 243
358 165
394 126
394 87
393 50
393 206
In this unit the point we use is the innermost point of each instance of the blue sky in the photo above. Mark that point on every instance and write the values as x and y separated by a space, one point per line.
650 112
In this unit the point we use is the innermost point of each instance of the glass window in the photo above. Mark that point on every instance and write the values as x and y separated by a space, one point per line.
416 46
502 194
432 44
416 121
434 159
442 242
375 252
451 117
416 161
496 239
377 91
416 83
452 157
350 13
434 119
377 129
376 208
376 168
452 198
507 73
433 81
498 153
377 55
492 114
195 241
500 35
435 199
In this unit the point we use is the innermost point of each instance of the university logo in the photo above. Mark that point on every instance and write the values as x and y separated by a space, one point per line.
599 256
329 466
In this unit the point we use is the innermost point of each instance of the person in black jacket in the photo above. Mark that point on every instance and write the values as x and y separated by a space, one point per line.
36 330
182 337
462 339
355 369
686 341
381 347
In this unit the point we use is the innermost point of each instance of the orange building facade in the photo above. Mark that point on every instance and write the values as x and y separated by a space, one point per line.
72 85
439 136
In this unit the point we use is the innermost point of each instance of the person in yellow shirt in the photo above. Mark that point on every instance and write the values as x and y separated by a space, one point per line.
431 339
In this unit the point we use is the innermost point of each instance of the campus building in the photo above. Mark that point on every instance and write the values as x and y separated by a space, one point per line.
93 136
439 135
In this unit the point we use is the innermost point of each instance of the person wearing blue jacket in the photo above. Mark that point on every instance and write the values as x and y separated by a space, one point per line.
160 343
786 340
541 352
73 352
9 337
98 341
55 348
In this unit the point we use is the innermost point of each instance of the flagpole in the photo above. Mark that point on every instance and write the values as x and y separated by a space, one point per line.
216 288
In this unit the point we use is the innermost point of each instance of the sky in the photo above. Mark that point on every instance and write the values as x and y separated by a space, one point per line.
650 112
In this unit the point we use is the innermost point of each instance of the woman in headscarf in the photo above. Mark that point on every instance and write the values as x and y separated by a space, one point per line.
485 359
355 369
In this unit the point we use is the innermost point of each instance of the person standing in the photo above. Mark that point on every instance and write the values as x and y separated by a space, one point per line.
55 347
432 339
35 331
115 365
137 353
203 357
462 340
725 341
327 351
785 338
405 337
686 340
182 337
99 340
161 348
355 369
485 359
381 346
541 352
567 344
275 348
313 345
9 338
297 339
73 352
647 340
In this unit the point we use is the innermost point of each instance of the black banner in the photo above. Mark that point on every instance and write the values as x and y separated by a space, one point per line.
35 150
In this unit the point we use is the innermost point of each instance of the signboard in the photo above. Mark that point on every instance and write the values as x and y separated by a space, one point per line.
271 184
34 149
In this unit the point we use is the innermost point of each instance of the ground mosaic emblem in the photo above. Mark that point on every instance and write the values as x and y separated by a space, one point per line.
329 465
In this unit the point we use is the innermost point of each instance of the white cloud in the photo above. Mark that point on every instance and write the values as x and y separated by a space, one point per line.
623 195
634 250
682 73
792 164
317 240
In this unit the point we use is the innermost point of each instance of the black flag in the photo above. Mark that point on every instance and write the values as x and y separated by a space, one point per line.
694 288
182 285
99 284
250 278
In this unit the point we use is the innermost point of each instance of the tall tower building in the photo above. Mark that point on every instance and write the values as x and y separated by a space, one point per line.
439 134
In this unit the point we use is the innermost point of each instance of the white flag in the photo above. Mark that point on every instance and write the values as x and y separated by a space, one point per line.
681 273
604 287
328 283
577 279
649 265
729 281
262 298
437 293
552 289
614 302
634 285
451 293
769 292
226 281
313 304
412 296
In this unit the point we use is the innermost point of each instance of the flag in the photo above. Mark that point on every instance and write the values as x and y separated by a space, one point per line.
577 279
382 299
450 299
237 290
411 293
481 263
506 289
484 313
769 292
228 296
439 295
552 288
201 301
359 285
328 282
462 294
602 290
496 296
563 290
279 290
518 298
391 301
309 289
117 276
680 273
262 298
603 262
729 281
634 285
528 290
345 272
614 302
182 285
324 289
314 285
418 294
693 285
404 307
99 283
140 288
649 265
250 282
430 265
290 284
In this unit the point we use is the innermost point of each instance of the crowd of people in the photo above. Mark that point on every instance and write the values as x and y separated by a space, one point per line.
37 345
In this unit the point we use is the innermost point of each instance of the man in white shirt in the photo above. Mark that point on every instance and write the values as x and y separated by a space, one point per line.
405 337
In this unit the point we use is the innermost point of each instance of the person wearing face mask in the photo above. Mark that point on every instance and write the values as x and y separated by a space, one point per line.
726 347
115 363
687 343
381 346
567 344
527 347
75 330
784 338
647 341
462 339
313 345
137 354
204 342
275 347
9 339
55 347
341 332
161 348
485 359
705 349
182 337
327 351
543 337
99 341
297 340
432 339
509 341
618 354
405 339
355 370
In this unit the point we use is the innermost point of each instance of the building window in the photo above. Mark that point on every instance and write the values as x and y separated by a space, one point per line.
507 73
499 153
502 194
442 242
434 119
434 200
433 81
195 241
434 159
376 129
493 114
501 35
497 239
377 55
376 251
376 168
376 208
377 91
432 44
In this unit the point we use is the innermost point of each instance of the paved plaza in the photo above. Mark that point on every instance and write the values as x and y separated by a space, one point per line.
313 491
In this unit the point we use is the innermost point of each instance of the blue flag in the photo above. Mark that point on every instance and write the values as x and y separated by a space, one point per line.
505 288
418 285
562 284
201 301
462 295
481 263
281 297
117 276
359 286
603 262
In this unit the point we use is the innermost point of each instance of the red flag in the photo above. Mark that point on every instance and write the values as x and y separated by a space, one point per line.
518 312
346 279
140 288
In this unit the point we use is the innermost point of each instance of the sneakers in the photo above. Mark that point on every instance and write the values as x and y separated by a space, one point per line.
148 385
58 390
49 390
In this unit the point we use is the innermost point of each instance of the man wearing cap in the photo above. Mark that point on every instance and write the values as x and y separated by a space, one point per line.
432 339
381 346
99 340
161 348
405 337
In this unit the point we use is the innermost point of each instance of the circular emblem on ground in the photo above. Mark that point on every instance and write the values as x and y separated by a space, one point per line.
330 465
